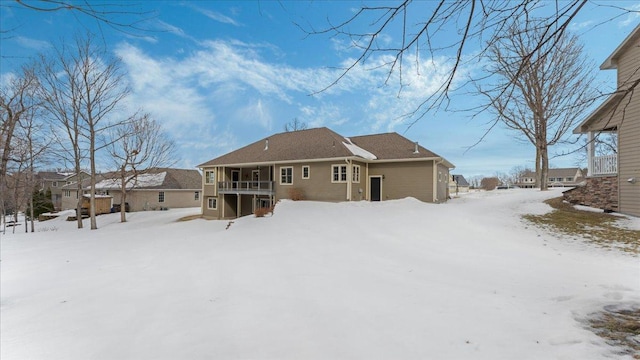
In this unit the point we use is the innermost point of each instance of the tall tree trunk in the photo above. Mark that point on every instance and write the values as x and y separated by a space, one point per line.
544 173
123 197
538 177
78 192
92 160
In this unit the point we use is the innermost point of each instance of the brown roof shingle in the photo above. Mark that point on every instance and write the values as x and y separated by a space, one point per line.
322 143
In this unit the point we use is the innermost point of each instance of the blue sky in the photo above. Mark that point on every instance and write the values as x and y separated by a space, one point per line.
221 74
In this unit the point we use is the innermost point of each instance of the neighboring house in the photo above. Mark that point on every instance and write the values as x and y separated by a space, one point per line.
56 181
562 177
161 188
458 184
613 181
52 181
319 164
70 189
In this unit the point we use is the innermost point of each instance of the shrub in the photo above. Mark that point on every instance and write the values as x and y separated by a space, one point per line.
261 212
295 194
489 183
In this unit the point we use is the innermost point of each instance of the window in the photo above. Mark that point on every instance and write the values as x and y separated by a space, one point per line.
339 173
569 179
196 196
209 177
355 175
286 175
54 184
67 193
161 196
212 203
439 176
305 172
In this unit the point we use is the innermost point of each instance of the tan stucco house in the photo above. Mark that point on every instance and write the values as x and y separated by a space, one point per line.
613 181
458 184
159 188
319 164
55 181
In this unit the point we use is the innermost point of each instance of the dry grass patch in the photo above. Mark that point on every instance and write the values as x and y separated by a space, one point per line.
599 228
620 328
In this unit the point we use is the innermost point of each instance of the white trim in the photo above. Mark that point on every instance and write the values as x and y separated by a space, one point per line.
340 173
206 177
356 158
209 198
353 173
308 172
280 174
164 198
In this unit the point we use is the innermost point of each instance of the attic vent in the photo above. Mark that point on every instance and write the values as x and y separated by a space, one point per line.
415 151
266 145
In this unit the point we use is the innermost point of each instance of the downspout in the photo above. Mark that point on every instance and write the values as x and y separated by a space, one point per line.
435 179
201 195
349 178
366 183
221 174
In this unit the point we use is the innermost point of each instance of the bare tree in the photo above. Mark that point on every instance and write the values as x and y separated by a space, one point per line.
83 90
427 30
136 148
17 99
121 16
295 125
540 96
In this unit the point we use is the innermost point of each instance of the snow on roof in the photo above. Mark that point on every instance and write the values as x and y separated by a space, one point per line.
358 151
142 181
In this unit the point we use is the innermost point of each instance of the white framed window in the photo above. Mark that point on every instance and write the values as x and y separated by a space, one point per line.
209 177
54 184
439 176
161 196
196 196
355 175
306 172
569 179
67 193
338 173
212 203
286 175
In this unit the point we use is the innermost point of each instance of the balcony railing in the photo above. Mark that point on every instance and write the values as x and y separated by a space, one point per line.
604 165
246 187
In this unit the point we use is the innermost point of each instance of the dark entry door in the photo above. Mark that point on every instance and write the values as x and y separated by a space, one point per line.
375 189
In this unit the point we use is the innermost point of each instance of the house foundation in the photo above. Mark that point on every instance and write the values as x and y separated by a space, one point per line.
598 192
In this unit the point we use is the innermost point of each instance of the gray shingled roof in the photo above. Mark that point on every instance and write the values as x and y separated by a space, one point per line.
178 179
321 143
175 179
460 180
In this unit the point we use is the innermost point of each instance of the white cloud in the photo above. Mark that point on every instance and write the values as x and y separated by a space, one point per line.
213 15
32 43
227 83
632 18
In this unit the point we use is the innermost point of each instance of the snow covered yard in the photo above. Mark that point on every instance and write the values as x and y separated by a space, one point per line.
392 280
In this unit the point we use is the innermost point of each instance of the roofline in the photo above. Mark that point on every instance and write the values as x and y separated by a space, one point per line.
203 166
297 161
598 111
611 62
